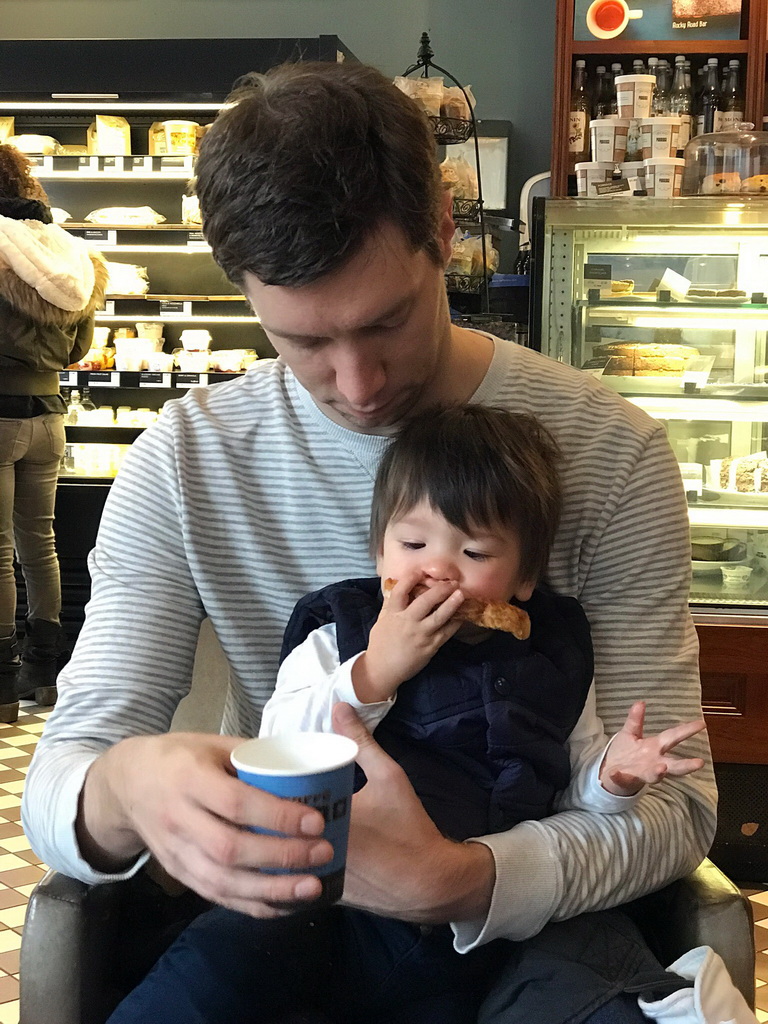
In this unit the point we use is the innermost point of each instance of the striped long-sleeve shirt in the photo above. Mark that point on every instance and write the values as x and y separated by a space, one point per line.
244 496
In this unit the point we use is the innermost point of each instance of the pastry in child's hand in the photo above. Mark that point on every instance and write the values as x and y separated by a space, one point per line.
491 614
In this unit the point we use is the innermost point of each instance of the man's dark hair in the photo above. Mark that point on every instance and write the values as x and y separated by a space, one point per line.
305 162
479 467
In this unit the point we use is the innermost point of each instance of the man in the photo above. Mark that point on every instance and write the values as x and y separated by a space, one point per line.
321 199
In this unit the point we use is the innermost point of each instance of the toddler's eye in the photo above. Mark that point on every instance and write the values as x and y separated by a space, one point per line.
412 545
477 556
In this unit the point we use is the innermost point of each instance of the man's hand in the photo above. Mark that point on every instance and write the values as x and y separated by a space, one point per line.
405 637
178 796
398 864
633 760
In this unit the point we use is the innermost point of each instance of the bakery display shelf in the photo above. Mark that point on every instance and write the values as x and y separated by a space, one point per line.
73 476
728 517
138 379
186 318
187 250
694 47
155 176
112 104
102 434
72 225
153 297
698 407
709 307
710 590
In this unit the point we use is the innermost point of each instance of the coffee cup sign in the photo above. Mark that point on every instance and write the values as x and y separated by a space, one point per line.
607 19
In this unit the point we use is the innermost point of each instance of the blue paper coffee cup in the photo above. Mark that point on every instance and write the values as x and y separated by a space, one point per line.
313 768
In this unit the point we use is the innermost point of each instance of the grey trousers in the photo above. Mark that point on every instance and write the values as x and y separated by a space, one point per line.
30 453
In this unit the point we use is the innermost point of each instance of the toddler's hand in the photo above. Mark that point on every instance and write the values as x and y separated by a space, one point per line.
406 635
633 760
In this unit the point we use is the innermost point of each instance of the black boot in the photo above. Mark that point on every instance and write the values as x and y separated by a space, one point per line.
10 663
39 662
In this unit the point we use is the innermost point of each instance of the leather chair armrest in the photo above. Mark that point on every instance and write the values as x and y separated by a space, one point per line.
68 947
703 909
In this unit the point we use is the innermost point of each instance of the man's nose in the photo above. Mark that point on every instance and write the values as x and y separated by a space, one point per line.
360 376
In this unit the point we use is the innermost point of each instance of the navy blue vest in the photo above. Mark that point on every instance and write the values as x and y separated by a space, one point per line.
482 730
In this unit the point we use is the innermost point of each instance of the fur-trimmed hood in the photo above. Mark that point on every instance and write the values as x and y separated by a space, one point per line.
48 274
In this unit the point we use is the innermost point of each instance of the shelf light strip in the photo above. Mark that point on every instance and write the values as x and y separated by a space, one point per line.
58 105
108 318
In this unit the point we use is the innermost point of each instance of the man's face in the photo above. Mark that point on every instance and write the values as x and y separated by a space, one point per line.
368 340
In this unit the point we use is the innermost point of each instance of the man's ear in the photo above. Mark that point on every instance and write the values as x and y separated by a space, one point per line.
447 227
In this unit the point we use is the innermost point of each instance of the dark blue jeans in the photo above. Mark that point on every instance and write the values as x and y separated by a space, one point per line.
338 967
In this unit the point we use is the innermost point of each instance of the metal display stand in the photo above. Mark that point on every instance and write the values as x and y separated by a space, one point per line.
449 131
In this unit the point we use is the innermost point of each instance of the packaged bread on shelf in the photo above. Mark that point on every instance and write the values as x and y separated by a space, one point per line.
113 135
156 145
35 145
190 210
7 128
126 279
143 216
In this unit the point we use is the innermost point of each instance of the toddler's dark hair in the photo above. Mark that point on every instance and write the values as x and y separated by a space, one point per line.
479 467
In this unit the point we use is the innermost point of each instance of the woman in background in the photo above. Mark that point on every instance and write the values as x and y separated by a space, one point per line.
50 285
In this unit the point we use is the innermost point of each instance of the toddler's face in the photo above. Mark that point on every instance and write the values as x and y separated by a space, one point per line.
484 563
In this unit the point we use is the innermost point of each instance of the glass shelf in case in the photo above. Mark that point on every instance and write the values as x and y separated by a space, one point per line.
667 303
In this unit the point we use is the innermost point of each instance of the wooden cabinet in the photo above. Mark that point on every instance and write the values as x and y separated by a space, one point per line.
734 682
751 48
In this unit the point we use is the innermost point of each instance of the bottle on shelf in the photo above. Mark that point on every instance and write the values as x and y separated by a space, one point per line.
661 107
616 69
732 103
87 402
74 409
605 96
578 134
681 101
638 67
710 98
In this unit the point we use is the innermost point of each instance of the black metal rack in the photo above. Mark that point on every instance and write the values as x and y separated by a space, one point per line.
450 131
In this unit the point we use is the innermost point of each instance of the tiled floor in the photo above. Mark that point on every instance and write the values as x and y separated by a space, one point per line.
20 868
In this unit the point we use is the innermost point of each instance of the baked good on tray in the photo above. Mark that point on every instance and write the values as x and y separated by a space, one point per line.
639 359
747 474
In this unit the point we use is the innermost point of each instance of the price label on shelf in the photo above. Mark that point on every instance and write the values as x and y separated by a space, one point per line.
104 236
113 164
142 164
151 379
196 239
88 164
172 307
697 371
596 366
104 379
191 380
68 378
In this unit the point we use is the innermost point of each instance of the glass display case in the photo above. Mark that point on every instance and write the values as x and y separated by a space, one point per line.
666 303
